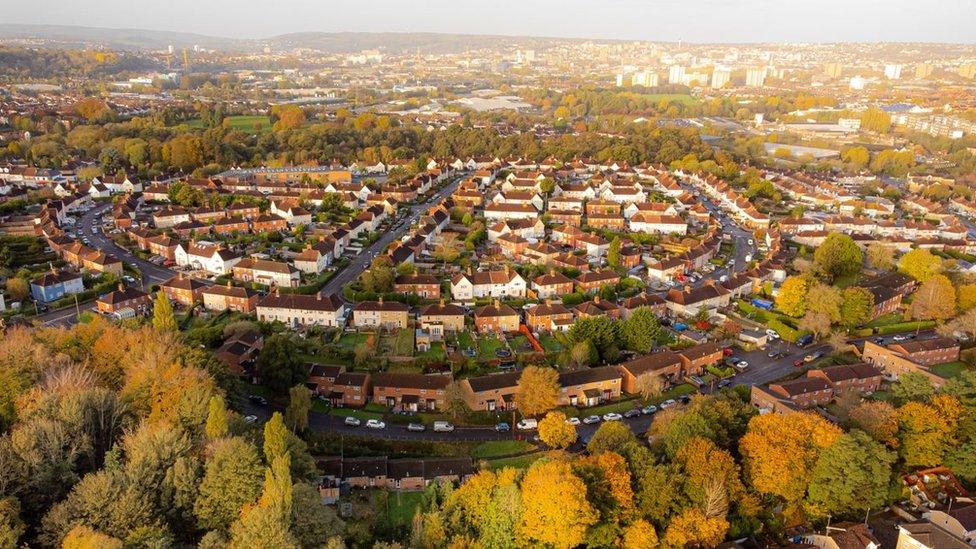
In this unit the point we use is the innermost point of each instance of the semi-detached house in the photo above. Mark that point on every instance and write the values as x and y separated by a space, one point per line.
296 310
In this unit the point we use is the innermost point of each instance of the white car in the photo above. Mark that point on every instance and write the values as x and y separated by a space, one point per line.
667 404
250 419
352 421
589 420
573 420
772 334
742 365
612 416
375 424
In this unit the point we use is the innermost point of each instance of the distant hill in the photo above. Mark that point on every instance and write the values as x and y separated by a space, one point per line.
330 42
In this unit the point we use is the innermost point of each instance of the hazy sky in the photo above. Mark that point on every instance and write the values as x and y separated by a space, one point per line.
669 20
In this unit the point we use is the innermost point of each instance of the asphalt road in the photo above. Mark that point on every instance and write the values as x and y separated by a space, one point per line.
365 258
151 273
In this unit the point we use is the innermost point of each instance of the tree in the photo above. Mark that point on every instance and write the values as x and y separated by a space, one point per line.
935 299
966 295
609 437
92 109
556 512
912 387
850 477
857 307
825 299
816 323
299 404
693 529
17 288
454 403
554 432
920 264
880 256
613 253
267 524
216 418
11 526
649 385
602 333
583 354
878 419
164 320
837 256
923 435
537 391
313 522
792 297
962 461
275 438
288 117
83 537
231 479
278 364
639 534
857 157
780 452
641 331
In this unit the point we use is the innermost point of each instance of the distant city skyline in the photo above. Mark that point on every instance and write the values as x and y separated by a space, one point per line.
742 21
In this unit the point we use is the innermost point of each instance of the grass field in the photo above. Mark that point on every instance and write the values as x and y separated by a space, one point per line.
549 343
244 123
400 506
949 369
352 340
518 462
487 450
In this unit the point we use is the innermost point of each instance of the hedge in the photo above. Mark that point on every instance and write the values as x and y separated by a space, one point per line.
906 327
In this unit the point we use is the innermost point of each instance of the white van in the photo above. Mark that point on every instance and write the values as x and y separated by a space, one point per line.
443 427
527 424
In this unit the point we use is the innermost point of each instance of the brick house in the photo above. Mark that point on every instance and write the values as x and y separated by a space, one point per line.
491 392
548 317
424 285
222 298
410 392
927 352
665 364
863 377
183 290
803 392
552 285
122 298
296 310
380 314
350 389
593 281
442 317
496 317
589 386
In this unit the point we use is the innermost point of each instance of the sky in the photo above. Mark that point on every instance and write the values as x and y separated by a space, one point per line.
656 20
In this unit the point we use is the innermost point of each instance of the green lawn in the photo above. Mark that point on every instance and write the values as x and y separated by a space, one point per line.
549 343
400 506
487 450
949 369
346 412
885 320
464 340
404 344
518 462
487 345
436 351
242 123
352 340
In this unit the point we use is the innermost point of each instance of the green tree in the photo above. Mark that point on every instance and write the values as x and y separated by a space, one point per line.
837 256
613 253
275 437
641 330
850 477
912 387
299 405
313 523
610 436
164 320
216 418
278 364
825 299
268 524
232 479
856 308
920 264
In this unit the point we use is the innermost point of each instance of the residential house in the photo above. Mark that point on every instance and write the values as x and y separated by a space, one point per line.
410 392
423 285
496 318
234 298
183 289
123 298
267 272
489 393
552 285
380 314
296 310
55 284
497 284
589 386
441 318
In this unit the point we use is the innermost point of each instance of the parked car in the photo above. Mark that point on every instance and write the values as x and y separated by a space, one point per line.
416 427
527 424
352 421
633 412
668 403
258 399
649 409
250 419
772 334
590 420
443 427
724 383
573 420
503 427
804 340
742 365
798 362
612 416
375 424
902 337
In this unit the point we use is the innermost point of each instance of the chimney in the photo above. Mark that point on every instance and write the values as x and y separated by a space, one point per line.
552 272
442 302
277 292
497 303
596 298
318 296
381 300
687 288
121 287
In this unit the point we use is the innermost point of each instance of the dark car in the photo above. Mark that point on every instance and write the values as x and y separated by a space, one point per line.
632 413
258 399
502 427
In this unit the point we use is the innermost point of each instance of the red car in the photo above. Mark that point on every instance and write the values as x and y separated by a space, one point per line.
798 362
727 351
